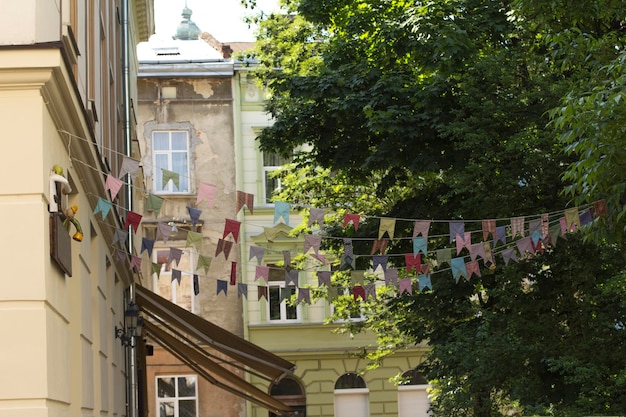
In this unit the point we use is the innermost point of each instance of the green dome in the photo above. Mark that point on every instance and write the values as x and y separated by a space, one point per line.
187 30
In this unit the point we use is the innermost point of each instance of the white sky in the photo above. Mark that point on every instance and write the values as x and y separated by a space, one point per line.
221 18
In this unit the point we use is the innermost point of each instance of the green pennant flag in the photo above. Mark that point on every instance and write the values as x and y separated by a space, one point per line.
156 269
194 238
170 175
204 262
154 203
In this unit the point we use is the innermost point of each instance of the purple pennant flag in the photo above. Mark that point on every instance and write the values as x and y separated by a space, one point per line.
286 258
196 284
176 275
379 260
323 278
424 282
421 227
242 289
500 235
291 277
585 217
509 255
320 258
175 254
304 294
312 242
222 286
120 236
164 231
316 215
456 228
257 252
534 226
129 166
391 277
135 263
370 291
194 214
147 245
262 272
524 245
120 255
406 286
223 246
476 250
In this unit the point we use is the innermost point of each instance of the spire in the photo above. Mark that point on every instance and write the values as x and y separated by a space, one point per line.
187 29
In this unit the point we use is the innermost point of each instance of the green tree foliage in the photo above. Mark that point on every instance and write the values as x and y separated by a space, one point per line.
441 110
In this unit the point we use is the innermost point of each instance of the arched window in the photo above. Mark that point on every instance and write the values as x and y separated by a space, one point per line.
351 396
289 390
413 398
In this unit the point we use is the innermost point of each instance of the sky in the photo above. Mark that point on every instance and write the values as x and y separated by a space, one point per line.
220 18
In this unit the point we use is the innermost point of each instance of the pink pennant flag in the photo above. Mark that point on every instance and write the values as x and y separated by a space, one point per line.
312 242
421 227
489 227
476 250
232 227
164 231
304 295
517 226
405 286
351 218
132 219
464 241
113 185
135 263
472 268
262 272
206 192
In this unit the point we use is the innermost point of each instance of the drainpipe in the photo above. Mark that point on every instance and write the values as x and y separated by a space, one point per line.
133 405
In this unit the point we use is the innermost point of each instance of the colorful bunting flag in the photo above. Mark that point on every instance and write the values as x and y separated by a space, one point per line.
316 215
304 295
164 231
281 211
421 227
204 262
323 278
206 192
232 228
103 207
194 215
245 199
242 290
154 204
132 219
176 275
257 252
391 277
489 228
195 239
456 228
406 285
196 284
222 286
351 218
129 166
175 255
387 225
113 185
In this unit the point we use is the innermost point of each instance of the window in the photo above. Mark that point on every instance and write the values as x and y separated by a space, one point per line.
290 392
168 286
271 163
413 395
351 396
177 396
279 310
171 152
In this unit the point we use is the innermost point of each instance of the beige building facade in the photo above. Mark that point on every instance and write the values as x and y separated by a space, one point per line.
63 104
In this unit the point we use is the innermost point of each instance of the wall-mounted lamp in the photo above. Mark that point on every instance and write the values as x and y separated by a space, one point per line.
132 326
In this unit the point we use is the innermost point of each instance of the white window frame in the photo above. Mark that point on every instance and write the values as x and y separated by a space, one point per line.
185 180
267 170
276 284
167 272
176 398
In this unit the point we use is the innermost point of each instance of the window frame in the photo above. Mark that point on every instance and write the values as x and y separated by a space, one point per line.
279 284
266 171
166 270
176 398
157 177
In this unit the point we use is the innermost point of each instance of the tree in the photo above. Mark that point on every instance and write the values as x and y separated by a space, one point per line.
439 109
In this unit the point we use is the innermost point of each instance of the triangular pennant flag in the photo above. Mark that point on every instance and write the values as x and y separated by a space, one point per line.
135 263
206 192
333 293
176 275
175 255
358 292
113 185
132 219
281 210
323 278
370 291
524 245
472 268
351 218
204 262
424 282
170 175
379 260
156 269
391 277
104 207
534 226
585 217
304 295
456 228
489 260
222 286
312 242
421 227
262 272
147 245
285 293
129 166
194 238
536 237
500 235
194 215
262 293
419 245
196 284
458 268
154 204
379 245
572 221
245 199
164 231
517 227
386 225
413 262
476 250
231 227
443 256
291 277
509 255
316 215
223 246
233 273
256 252
120 255
464 241
357 278
242 289
489 228
599 208
120 236
406 285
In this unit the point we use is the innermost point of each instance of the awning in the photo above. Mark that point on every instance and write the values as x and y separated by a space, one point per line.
182 333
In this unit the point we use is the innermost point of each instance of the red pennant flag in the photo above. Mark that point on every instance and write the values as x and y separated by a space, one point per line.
262 293
357 292
351 218
232 227
132 219
413 262
233 273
